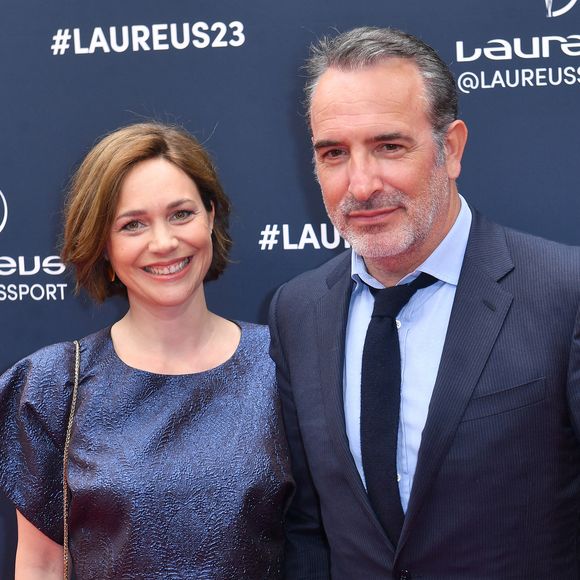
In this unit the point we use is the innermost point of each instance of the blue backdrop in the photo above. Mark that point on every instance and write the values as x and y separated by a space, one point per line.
230 73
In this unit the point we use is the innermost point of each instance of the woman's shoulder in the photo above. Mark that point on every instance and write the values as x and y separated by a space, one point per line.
254 347
254 331
36 371
255 338
46 355
54 354
40 384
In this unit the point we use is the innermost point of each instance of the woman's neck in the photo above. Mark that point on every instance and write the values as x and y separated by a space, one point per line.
174 340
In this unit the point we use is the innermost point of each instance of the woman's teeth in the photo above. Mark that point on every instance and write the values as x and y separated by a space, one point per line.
166 270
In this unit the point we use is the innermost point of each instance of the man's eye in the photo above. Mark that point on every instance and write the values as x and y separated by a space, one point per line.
333 153
390 147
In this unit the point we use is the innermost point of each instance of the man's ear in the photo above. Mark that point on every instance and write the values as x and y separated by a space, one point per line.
455 140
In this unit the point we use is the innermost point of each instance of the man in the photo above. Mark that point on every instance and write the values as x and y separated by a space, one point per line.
485 455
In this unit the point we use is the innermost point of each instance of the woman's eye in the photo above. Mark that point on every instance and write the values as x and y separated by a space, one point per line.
182 214
132 226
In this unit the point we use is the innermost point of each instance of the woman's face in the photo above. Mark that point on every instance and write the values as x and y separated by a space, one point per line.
160 242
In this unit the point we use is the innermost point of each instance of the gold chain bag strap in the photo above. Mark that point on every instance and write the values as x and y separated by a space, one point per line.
65 491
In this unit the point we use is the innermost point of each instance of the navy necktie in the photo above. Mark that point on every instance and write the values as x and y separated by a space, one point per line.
381 401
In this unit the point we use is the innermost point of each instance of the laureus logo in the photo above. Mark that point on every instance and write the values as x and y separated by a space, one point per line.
552 12
3 211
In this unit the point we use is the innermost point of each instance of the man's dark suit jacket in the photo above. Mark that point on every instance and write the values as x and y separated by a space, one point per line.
496 493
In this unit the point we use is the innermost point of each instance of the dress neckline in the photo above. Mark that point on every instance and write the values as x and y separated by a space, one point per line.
227 362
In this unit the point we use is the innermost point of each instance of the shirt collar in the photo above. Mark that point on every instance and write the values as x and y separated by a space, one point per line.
444 262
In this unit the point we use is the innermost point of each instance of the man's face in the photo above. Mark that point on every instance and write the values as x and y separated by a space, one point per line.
383 185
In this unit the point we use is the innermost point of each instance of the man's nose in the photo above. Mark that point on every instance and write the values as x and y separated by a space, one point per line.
364 177
163 239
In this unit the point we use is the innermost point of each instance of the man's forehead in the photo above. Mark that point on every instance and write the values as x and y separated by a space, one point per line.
383 97
389 81
382 72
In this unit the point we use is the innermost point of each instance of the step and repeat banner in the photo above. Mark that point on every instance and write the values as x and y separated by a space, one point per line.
230 73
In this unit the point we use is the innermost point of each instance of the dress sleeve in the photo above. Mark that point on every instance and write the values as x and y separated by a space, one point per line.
34 403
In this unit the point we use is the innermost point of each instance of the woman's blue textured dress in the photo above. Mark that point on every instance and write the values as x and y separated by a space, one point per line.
171 476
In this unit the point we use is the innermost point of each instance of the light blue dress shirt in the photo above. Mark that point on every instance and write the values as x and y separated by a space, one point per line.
422 326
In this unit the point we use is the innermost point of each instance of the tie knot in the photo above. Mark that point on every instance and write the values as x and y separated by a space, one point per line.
389 301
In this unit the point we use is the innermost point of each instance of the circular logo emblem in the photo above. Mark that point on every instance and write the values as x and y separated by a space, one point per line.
566 8
3 211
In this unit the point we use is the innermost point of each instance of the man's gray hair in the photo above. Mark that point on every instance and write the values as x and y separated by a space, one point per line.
365 46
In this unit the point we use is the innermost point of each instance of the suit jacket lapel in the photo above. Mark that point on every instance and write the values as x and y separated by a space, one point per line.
479 309
331 314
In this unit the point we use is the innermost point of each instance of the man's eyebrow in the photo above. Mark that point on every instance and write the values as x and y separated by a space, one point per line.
324 143
395 136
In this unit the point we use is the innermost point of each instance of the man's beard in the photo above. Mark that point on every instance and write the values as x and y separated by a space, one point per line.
379 241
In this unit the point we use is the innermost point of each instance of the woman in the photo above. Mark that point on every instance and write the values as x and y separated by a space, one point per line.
177 465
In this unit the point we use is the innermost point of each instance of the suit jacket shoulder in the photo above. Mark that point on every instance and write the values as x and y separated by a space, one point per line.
544 257
311 285
524 263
